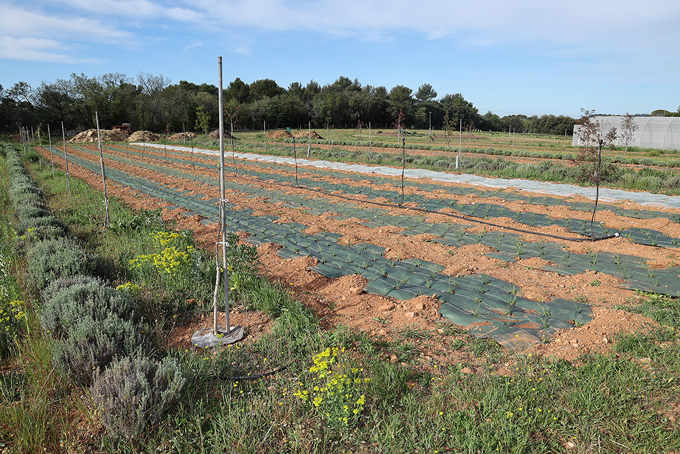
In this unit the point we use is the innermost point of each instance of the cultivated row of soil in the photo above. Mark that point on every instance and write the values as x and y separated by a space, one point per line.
343 300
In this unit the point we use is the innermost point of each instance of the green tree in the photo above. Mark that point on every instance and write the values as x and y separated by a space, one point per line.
400 100
202 120
264 88
461 109
237 90
491 122
152 105
425 93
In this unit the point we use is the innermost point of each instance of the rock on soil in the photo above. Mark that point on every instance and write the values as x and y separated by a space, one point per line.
107 135
216 134
182 135
306 134
143 136
282 134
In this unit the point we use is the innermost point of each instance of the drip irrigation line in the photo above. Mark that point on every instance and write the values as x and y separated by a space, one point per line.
424 210
250 377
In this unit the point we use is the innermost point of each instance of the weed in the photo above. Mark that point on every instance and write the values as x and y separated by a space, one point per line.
414 332
335 389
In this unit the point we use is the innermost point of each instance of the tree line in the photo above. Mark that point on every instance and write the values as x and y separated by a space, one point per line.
153 102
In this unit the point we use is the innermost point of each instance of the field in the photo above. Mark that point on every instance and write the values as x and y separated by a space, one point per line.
512 265
469 318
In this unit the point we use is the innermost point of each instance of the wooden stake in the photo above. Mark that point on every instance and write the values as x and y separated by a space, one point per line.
68 176
101 162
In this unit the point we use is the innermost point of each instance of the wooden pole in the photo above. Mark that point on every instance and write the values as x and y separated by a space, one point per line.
49 135
40 145
101 162
68 176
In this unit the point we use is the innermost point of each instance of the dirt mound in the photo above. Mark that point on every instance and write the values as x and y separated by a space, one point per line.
306 134
107 135
216 134
182 135
143 136
282 134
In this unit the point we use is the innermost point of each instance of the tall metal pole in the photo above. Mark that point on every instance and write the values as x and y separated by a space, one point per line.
430 122
403 167
309 141
231 131
223 211
51 154
101 163
68 176
296 166
370 143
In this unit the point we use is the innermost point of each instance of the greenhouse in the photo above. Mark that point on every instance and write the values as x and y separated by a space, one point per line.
652 132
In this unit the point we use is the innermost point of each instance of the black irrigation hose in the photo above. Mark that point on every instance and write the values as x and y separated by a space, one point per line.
250 377
389 205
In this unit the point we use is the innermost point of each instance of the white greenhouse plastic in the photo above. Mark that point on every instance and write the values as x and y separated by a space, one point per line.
662 133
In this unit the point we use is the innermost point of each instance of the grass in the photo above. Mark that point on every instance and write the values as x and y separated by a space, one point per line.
621 402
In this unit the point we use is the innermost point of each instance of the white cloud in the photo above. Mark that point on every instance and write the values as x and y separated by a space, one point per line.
191 46
36 49
18 22
618 30
484 22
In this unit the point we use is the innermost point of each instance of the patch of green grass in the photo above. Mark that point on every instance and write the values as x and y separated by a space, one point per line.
663 309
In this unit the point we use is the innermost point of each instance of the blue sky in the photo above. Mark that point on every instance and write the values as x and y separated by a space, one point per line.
524 57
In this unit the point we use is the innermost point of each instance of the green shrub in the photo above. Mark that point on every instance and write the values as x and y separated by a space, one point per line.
650 183
145 219
175 266
20 177
51 259
65 282
27 197
17 190
31 210
45 224
12 322
672 182
92 345
134 394
92 299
